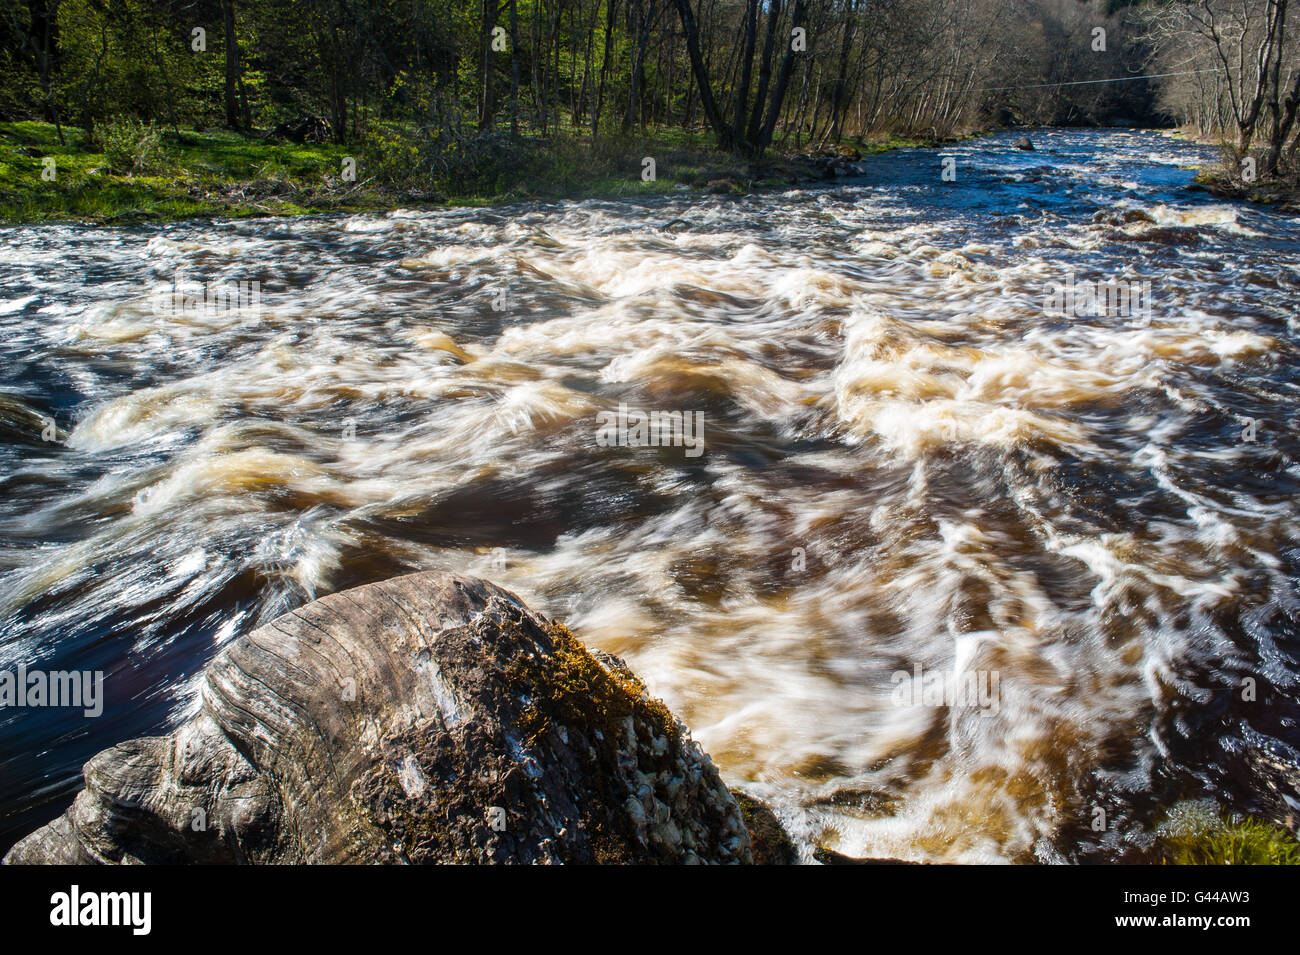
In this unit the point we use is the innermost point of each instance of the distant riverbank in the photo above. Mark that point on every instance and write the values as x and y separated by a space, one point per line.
131 173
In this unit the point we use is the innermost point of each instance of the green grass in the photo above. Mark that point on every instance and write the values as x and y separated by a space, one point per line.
228 174
1197 834
221 173
215 173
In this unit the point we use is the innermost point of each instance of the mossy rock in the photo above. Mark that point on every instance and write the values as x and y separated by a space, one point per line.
770 842
425 719
1196 833
725 187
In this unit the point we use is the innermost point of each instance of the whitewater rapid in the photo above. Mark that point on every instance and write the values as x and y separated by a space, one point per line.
910 461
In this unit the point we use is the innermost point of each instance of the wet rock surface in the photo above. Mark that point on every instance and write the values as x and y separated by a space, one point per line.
831 857
21 423
427 718
770 843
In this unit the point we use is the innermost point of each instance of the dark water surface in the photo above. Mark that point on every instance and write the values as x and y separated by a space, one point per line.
911 460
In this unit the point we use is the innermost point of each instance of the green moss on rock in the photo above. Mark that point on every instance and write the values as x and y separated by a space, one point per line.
769 841
1196 833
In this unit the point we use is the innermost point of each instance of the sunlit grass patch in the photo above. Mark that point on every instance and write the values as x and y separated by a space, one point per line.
128 171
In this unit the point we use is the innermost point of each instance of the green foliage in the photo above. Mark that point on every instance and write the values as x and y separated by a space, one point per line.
206 174
131 147
232 174
1195 833
569 67
485 165
395 156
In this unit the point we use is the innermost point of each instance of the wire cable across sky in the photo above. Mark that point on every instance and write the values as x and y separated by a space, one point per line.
1113 79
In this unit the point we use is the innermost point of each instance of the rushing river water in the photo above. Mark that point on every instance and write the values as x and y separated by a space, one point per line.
910 460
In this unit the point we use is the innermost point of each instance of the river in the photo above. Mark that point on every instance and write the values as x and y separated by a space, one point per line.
914 463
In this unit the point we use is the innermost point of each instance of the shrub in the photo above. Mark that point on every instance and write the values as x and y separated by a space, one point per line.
394 157
484 164
132 146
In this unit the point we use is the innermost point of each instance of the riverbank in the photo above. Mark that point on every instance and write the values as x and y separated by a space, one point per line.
1280 195
135 174
1222 179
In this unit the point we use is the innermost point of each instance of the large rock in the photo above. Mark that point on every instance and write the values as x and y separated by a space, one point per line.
428 718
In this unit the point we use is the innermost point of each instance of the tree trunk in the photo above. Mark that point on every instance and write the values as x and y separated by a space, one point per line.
746 66
232 64
487 104
764 71
841 78
782 79
514 68
726 137
604 68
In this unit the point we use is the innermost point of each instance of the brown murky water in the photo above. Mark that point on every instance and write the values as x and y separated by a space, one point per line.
912 466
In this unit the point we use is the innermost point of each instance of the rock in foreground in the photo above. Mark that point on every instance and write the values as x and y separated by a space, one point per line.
428 718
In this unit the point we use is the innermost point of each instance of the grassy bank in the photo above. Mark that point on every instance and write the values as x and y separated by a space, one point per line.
129 173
